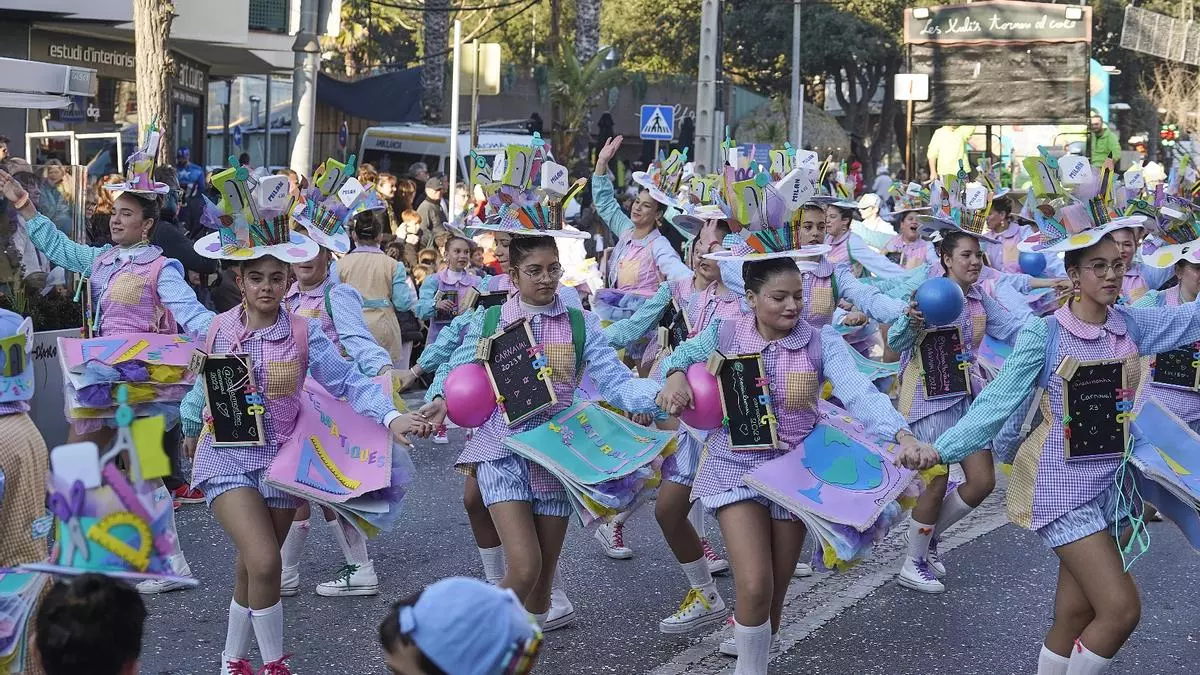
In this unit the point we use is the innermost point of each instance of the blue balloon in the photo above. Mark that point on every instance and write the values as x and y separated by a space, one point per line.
1032 264
941 300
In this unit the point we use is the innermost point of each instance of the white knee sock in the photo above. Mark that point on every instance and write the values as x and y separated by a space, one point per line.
1084 662
1050 663
353 543
754 648
237 632
697 573
293 545
919 535
541 618
556 582
493 564
268 631
953 510
621 517
696 517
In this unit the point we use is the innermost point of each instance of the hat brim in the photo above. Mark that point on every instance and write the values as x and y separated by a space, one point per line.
338 242
48 568
932 224
898 214
299 249
158 190
1079 240
525 232
814 251
1167 256
643 179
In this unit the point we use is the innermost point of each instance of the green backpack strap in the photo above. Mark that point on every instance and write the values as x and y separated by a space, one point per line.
578 338
491 321
328 304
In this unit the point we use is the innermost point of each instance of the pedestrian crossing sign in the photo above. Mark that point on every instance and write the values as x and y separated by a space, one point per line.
658 123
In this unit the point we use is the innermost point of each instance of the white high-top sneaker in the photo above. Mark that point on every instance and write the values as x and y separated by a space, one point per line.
352 580
701 608
562 612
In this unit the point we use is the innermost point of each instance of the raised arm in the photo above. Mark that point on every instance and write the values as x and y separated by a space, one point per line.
59 248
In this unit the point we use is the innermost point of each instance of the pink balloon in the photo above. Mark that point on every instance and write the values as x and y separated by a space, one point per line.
706 399
470 400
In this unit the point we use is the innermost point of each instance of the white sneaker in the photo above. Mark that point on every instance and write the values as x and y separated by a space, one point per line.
352 580
716 564
803 570
700 609
156 586
918 575
289 581
612 537
935 560
562 612
439 437
729 646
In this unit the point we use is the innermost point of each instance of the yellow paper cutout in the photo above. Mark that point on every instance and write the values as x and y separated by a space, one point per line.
147 435
1175 466
133 351
101 533
333 469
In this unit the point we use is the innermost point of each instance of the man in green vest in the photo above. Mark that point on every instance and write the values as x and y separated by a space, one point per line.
1105 143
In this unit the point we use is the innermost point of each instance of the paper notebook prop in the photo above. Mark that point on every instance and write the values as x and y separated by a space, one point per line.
1167 458
605 462
343 460
839 481
123 526
19 593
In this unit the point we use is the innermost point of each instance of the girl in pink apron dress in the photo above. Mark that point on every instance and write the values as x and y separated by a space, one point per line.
438 298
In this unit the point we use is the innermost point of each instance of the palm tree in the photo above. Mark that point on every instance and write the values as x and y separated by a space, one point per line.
574 88
433 74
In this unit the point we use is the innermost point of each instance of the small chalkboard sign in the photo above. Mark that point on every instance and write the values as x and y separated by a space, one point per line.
673 325
439 314
1177 368
233 400
1096 407
494 299
940 355
519 372
746 402
895 256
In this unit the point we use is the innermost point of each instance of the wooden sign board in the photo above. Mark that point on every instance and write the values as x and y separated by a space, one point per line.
520 384
1177 368
494 299
673 326
895 256
746 402
438 314
229 391
938 357
1095 428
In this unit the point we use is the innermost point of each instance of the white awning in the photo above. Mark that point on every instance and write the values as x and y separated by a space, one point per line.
33 84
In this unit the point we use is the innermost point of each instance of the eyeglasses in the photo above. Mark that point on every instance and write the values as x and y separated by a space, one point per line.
553 273
1100 269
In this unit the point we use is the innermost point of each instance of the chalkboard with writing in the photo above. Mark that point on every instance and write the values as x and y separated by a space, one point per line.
895 256
746 402
1092 400
674 324
1177 368
938 355
440 314
233 402
494 299
519 372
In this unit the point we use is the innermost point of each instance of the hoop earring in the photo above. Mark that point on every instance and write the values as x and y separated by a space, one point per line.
1075 293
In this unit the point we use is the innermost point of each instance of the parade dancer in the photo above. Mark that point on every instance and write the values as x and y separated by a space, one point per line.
961 257
849 248
763 539
23 454
338 308
281 348
529 507
382 281
907 248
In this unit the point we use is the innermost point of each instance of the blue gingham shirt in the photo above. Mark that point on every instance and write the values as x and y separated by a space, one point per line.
347 305
665 257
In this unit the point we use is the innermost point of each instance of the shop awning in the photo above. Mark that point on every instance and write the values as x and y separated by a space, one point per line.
33 84
391 97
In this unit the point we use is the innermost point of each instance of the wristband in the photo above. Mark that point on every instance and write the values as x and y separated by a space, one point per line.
21 204
675 370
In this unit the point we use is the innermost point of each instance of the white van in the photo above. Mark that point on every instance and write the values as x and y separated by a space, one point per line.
392 149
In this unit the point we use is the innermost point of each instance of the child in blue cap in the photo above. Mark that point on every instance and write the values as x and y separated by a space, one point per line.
460 626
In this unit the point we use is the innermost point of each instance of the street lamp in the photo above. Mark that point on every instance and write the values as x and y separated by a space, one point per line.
254 101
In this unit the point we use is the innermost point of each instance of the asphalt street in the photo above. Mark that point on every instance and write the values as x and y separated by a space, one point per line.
990 621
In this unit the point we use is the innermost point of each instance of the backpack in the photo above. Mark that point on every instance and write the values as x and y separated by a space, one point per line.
491 325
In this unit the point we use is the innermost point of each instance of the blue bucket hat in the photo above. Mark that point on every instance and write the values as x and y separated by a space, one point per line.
468 627
16 369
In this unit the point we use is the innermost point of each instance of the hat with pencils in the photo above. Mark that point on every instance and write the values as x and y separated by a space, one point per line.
534 213
958 204
1177 224
139 178
327 219
1074 205
765 216
664 178
253 220
113 519
907 199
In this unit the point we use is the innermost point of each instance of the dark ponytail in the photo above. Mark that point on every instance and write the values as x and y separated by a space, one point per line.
756 274
522 246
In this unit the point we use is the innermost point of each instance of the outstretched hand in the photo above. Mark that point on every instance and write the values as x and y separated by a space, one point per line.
611 146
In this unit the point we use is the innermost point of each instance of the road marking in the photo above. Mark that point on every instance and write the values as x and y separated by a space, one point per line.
813 602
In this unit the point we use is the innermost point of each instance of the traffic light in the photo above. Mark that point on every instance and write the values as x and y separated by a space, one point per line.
1168 133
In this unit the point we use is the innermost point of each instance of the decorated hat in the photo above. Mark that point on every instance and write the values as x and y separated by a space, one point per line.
327 219
702 203
534 212
16 368
963 206
989 175
1074 204
253 220
664 178
908 198
765 216
139 179
1177 224
111 521
331 175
